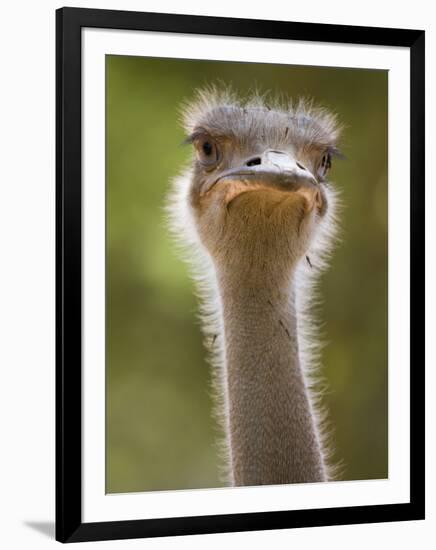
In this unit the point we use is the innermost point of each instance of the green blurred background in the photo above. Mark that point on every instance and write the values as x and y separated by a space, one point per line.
159 428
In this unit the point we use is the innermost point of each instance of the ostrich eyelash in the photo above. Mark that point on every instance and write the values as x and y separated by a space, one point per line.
189 140
336 153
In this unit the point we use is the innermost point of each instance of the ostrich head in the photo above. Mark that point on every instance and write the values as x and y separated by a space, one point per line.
258 181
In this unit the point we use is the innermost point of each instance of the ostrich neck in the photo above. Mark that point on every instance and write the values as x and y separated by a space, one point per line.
272 433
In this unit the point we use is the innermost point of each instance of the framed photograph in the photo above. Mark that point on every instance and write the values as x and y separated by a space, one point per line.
240 274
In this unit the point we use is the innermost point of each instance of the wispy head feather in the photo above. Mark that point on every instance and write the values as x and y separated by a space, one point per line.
220 110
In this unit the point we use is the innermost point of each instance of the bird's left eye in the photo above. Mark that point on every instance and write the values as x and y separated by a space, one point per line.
207 150
324 165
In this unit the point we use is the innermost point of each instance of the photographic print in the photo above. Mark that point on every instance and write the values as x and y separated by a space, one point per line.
239 275
271 181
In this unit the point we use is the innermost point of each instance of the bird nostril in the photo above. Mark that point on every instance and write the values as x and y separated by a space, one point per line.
254 161
300 166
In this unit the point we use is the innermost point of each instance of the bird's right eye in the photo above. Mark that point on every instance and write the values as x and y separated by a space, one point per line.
207 151
207 148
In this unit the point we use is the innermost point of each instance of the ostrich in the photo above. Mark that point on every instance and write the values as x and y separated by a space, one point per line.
258 217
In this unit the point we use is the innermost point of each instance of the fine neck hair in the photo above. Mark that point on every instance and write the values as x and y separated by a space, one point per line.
265 381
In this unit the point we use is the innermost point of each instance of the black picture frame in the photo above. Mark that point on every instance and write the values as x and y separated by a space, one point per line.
69 525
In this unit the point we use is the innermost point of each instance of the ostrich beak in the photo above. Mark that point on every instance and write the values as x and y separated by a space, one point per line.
277 168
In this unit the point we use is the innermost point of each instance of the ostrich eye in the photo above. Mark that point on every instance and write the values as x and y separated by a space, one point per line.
324 165
207 150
